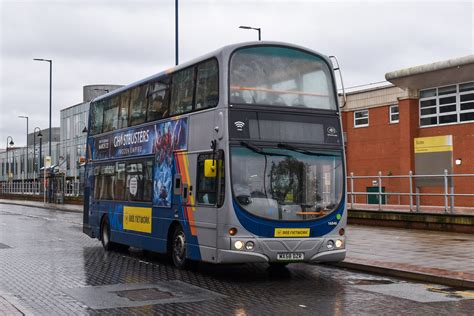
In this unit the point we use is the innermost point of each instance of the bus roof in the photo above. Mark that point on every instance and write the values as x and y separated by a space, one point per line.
223 51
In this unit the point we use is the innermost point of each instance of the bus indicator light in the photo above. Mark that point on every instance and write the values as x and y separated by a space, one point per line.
232 231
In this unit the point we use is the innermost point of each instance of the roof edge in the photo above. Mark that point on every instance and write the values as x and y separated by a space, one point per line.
441 65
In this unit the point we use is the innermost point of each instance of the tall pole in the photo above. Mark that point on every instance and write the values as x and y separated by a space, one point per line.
50 97
38 166
50 140
176 31
259 34
26 169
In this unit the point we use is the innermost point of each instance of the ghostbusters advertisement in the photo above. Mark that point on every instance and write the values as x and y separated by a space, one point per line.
161 139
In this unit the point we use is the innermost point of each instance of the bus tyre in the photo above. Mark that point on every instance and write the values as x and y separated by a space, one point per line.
178 249
105 235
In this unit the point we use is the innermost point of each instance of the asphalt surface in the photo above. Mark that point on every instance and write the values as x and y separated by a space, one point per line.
49 267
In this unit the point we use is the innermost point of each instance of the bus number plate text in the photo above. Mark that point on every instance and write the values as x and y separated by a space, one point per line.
290 256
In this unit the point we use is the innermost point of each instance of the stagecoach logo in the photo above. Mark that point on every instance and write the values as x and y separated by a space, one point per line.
103 144
239 125
331 131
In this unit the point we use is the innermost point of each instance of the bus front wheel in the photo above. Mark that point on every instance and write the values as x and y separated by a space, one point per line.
178 249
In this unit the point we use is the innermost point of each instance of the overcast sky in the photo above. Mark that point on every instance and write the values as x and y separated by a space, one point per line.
121 41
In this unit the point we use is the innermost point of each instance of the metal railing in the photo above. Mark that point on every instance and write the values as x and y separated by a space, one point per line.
72 188
447 192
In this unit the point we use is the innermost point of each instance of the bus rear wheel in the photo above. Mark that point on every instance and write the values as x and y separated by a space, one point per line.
105 236
178 249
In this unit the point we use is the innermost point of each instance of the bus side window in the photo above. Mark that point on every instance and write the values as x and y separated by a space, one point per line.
158 100
138 105
111 112
96 182
97 114
124 109
120 182
182 91
208 189
207 85
139 180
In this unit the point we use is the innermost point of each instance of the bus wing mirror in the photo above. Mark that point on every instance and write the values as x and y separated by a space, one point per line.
210 168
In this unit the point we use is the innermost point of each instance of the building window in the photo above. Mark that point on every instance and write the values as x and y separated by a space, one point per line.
68 128
361 118
447 105
394 115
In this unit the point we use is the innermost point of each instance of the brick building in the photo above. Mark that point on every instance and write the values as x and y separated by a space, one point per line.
382 124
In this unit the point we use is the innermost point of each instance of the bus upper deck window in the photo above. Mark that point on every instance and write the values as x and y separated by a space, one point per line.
207 89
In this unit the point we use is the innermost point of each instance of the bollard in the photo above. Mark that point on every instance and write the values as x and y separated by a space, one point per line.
410 174
380 190
352 190
446 190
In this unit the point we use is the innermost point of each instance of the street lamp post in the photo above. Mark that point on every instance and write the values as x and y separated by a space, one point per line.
26 169
50 97
253 28
176 31
34 150
11 143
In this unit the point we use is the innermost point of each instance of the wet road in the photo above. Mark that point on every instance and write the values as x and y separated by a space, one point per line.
48 266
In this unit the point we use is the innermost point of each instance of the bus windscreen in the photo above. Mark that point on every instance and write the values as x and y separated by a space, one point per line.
280 76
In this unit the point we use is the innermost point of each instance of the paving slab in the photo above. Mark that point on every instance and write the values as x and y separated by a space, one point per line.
442 257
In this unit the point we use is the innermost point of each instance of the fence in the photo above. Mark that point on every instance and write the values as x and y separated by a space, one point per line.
413 192
32 187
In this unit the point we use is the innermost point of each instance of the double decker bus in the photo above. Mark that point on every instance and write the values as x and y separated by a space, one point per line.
234 157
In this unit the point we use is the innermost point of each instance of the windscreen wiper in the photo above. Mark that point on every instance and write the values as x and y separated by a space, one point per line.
303 151
259 150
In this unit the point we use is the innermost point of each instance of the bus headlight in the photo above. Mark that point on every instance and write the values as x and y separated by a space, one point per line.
249 245
238 245
339 243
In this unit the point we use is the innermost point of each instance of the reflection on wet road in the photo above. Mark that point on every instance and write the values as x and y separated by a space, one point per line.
47 266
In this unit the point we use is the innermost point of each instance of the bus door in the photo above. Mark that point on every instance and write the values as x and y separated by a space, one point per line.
196 188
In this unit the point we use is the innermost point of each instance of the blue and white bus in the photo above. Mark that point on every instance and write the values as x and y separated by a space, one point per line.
234 157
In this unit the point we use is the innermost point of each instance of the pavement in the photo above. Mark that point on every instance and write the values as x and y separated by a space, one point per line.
430 256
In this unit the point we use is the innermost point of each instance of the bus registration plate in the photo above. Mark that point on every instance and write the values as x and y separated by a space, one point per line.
290 256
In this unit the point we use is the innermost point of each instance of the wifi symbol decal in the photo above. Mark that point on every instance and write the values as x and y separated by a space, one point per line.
239 125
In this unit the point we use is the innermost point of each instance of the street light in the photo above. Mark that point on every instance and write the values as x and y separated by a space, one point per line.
253 28
9 164
50 97
176 32
34 147
26 117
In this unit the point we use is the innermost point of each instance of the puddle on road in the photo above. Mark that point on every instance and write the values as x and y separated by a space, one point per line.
419 292
459 293
370 282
